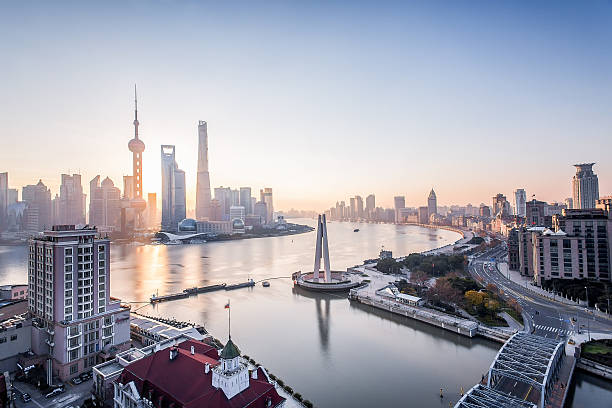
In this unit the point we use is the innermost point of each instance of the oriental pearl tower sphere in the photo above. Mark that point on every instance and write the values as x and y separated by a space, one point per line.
137 146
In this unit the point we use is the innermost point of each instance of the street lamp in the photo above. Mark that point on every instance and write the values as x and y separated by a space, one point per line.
587 309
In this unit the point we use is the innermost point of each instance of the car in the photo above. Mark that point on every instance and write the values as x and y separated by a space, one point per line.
76 381
85 376
55 392
25 397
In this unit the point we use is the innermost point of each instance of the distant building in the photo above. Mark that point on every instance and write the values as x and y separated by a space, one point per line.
605 203
104 204
352 208
214 227
224 196
245 200
585 186
152 209
266 197
71 204
173 190
569 203
484 211
38 213
535 214
359 206
370 206
75 320
520 201
128 187
432 203
13 196
4 202
203 180
216 213
501 206
513 249
237 212
261 209
423 213
398 203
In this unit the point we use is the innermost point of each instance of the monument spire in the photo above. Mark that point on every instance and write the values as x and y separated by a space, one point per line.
135 113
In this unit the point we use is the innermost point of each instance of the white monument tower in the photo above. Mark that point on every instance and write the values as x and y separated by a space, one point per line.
322 251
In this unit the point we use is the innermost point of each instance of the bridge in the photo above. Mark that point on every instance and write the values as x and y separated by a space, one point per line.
532 361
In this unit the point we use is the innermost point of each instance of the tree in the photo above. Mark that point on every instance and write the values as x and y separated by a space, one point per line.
491 287
419 277
474 298
444 291
388 265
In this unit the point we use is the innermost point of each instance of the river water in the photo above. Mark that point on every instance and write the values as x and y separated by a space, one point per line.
333 352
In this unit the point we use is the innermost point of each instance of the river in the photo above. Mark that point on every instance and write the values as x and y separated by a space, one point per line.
333 352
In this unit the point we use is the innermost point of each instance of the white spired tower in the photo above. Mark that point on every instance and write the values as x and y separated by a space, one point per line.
203 183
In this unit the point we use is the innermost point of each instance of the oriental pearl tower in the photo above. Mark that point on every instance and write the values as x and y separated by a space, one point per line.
137 146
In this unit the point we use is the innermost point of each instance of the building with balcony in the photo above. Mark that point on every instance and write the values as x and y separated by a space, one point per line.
75 321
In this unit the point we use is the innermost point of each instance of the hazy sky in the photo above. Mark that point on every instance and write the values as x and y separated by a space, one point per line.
318 100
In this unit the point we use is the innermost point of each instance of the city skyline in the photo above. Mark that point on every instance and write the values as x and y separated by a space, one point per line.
544 93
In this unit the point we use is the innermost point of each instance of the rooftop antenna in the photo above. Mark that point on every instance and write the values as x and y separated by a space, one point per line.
135 113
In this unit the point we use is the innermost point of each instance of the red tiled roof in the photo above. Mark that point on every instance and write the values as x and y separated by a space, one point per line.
183 381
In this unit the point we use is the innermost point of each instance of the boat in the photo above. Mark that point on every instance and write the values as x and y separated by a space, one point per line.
265 284
356 230
247 284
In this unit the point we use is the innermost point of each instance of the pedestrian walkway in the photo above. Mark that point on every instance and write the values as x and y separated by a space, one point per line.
561 332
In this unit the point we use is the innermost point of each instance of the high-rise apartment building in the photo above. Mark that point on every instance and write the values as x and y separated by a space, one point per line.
399 202
352 208
104 204
359 204
569 203
13 196
245 200
261 209
38 214
520 200
432 203
74 317
203 182
585 186
266 197
173 190
71 204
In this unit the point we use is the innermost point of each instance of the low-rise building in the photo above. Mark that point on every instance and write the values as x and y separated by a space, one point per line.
149 331
186 373
14 291
15 338
214 227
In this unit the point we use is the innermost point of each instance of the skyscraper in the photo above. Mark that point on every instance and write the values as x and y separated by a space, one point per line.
203 181
3 200
370 205
173 190
104 204
432 203
585 186
71 204
245 200
359 203
520 199
266 197
224 196
569 203
500 205
399 202
38 214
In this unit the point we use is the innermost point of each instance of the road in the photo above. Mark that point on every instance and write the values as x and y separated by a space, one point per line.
542 316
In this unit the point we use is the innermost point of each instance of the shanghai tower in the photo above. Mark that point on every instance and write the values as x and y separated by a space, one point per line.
203 184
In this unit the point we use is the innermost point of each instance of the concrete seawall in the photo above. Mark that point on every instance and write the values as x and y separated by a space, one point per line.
594 367
453 324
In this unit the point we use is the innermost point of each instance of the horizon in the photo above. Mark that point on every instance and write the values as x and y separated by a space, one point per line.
389 101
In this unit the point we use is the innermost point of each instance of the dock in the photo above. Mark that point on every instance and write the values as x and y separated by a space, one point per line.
202 289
